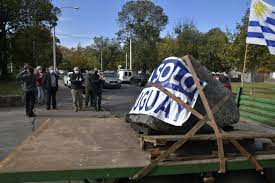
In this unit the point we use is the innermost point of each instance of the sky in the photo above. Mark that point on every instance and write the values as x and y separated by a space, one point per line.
99 17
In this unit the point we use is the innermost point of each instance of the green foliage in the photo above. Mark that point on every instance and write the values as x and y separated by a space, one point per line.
32 45
189 38
167 47
213 52
89 57
142 21
19 17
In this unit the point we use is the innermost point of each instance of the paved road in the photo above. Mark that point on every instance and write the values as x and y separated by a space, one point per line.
120 101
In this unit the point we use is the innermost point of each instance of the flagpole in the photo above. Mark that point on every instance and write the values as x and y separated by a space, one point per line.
244 64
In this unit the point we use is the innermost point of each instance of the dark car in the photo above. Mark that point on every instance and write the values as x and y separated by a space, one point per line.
139 79
224 79
111 80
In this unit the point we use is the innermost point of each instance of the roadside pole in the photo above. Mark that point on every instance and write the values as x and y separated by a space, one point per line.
130 54
244 64
54 50
126 61
101 65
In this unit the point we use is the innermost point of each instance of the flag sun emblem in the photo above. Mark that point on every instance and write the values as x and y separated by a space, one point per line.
259 9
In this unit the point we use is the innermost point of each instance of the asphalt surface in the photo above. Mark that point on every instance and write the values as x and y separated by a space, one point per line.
120 101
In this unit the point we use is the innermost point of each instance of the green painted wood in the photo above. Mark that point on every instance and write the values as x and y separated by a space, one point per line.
20 177
258 111
257 118
261 100
259 105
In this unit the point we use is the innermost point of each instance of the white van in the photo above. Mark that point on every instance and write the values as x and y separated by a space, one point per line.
124 75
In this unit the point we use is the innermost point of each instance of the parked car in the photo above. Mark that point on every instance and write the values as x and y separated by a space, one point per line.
66 79
224 79
124 75
111 80
139 79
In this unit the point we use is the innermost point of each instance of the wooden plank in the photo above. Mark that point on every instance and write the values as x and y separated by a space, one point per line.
12 155
193 111
179 143
213 123
72 143
246 154
236 134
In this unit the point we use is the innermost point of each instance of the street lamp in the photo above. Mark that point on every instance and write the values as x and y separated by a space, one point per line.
54 48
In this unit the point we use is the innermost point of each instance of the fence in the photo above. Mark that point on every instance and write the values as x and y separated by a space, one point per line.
256 109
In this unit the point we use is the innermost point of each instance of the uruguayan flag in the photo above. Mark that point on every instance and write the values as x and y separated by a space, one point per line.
261 27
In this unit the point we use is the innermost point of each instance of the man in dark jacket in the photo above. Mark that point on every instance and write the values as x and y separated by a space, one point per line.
97 88
77 79
29 87
89 91
50 85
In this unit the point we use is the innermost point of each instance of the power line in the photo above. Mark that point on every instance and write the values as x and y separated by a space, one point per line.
73 36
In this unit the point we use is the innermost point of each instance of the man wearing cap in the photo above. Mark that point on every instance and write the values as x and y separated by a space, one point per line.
77 79
50 85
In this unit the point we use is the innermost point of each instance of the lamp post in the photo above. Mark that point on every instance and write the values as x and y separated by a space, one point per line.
54 42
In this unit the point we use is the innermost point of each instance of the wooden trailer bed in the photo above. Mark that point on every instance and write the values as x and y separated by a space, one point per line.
75 149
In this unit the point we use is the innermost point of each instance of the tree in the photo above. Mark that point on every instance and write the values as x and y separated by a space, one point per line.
214 51
20 14
168 46
189 38
142 21
112 52
32 45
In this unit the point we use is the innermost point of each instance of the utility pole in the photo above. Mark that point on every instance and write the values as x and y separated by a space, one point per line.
54 50
126 62
130 53
101 66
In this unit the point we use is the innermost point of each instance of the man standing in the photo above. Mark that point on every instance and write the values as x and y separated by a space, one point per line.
89 91
29 87
97 88
77 79
39 82
50 85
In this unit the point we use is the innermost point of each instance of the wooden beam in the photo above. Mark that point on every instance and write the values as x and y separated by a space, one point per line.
197 114
213 123
179 143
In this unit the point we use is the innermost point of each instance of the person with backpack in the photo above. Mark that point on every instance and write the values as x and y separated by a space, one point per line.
50 85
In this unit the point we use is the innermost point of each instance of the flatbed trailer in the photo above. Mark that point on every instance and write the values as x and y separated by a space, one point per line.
95 148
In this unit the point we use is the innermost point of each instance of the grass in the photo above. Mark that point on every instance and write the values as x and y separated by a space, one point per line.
10 87
261 90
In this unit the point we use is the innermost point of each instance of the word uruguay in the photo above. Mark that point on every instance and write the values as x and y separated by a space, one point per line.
175 76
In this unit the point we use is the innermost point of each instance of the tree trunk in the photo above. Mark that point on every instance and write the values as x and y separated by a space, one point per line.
3 53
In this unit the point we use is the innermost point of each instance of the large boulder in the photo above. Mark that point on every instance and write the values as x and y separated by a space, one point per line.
214 91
